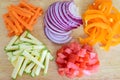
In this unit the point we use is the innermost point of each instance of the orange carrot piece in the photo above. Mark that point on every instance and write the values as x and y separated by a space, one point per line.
27 26
19 12
10 23
35 16
24 4
23 10
10 34
17 25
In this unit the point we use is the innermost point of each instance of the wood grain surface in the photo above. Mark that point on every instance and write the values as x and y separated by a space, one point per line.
110 61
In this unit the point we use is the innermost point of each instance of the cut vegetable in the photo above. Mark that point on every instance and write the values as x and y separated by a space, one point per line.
30 57
27 54
59 20
46 63
17 67
101 21
41 61
23 67
75 60
21 17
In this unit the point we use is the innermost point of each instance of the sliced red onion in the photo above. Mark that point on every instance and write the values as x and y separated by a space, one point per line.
47 23
59 21
68 27
65 33
74 11
56 8
58 37
55 20
55 41
71 21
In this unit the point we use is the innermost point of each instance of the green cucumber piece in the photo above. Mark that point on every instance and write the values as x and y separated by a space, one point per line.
10 55
29 67
33 71
42 59
17 42
23 67
34 39
11 48
24 34
51 57
40 47
18 52
12 41
29 56
25 47
46 63
14 58
35 53
28 40
17 67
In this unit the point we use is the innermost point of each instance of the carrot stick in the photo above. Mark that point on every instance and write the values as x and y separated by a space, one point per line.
24 4
19 12
21 17
27 26
23 10
11 34
35 16
10 23
16 22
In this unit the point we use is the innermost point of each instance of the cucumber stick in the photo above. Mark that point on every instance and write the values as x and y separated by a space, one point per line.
46 63
17 52
44 53
10 48
34 39
27 54
17 67
24 34
10 55
12 41
33 71
30 66
23 67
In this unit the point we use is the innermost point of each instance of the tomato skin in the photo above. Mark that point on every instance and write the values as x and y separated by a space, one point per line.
74 60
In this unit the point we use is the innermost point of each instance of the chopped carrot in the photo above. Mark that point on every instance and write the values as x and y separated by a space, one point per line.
23 9
17 24
10 24
19 12
102 24
34 17
23 4
21 17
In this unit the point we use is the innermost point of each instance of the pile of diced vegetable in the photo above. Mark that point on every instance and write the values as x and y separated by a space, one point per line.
75 60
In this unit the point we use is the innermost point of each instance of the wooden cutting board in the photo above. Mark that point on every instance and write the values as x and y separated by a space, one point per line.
110 61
